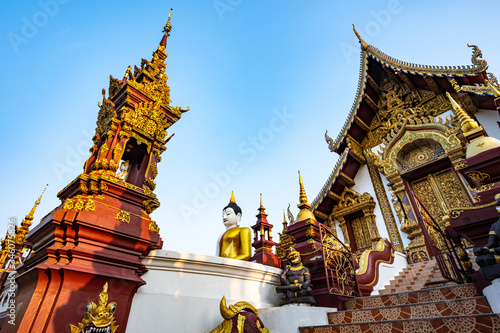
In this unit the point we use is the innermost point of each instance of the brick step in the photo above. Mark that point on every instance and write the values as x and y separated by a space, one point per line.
482 323
412 297
465 306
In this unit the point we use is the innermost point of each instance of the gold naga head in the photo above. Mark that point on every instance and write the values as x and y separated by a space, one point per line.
98 317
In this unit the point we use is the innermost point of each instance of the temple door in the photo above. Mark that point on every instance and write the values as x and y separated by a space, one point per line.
432 196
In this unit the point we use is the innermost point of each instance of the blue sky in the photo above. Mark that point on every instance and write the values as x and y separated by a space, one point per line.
264 80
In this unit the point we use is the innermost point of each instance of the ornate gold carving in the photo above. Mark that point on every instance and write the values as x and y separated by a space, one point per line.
98 317
310 232
364 228
80 202
421 155
440 192
455 212
286 242
117 150
478 176
150 205
383 200
123 216
461 165
153 227
105 116
482 188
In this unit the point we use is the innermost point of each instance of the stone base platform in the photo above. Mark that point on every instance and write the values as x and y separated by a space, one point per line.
183 291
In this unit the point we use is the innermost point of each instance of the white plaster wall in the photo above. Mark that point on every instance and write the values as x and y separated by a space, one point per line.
183 291
488 120
288 318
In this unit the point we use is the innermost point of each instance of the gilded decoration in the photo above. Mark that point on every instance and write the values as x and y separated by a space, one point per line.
98 317
123 216
286 242
80 203
440 192
153 227
479 177
421 155
392 66
364 228
409 130
383 200
105 116
148 118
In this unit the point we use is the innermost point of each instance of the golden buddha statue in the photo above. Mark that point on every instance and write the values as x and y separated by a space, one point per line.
235 242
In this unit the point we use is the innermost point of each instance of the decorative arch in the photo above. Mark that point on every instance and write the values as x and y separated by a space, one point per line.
450 145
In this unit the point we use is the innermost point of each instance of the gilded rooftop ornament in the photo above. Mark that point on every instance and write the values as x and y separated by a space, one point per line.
304 206
466 122
23 230
168 26
361 41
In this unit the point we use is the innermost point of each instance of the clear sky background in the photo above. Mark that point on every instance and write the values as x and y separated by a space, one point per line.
263 79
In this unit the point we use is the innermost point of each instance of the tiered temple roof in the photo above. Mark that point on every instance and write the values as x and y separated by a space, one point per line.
425 86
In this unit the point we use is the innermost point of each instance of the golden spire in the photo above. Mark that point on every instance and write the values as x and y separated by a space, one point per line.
261 201
232 200
467 123
31 215
302 195
364 44
304 206
493 89
168 25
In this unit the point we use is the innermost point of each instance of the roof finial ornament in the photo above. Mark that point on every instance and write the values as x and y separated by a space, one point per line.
261 206
304 206
302 195
168 25
466 122
31 215
364 44
477 56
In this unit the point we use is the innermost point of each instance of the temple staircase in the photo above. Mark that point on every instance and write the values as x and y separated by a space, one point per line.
418 300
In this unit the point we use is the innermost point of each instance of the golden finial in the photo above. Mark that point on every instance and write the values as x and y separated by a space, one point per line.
364 45
31 215
232 200
493 89
168 25
304 206
302 195
466 122
261 206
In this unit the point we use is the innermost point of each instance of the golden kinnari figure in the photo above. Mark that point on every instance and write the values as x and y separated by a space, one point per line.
235 242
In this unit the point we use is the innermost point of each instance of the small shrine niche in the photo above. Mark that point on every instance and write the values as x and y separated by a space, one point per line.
137 156
357 220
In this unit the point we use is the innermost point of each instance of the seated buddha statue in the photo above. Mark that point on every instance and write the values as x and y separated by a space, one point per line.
122 174
235 242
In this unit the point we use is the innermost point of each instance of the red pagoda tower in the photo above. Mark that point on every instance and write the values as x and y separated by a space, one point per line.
102 229
263 245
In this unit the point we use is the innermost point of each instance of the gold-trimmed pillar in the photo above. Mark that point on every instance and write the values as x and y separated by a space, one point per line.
383 200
